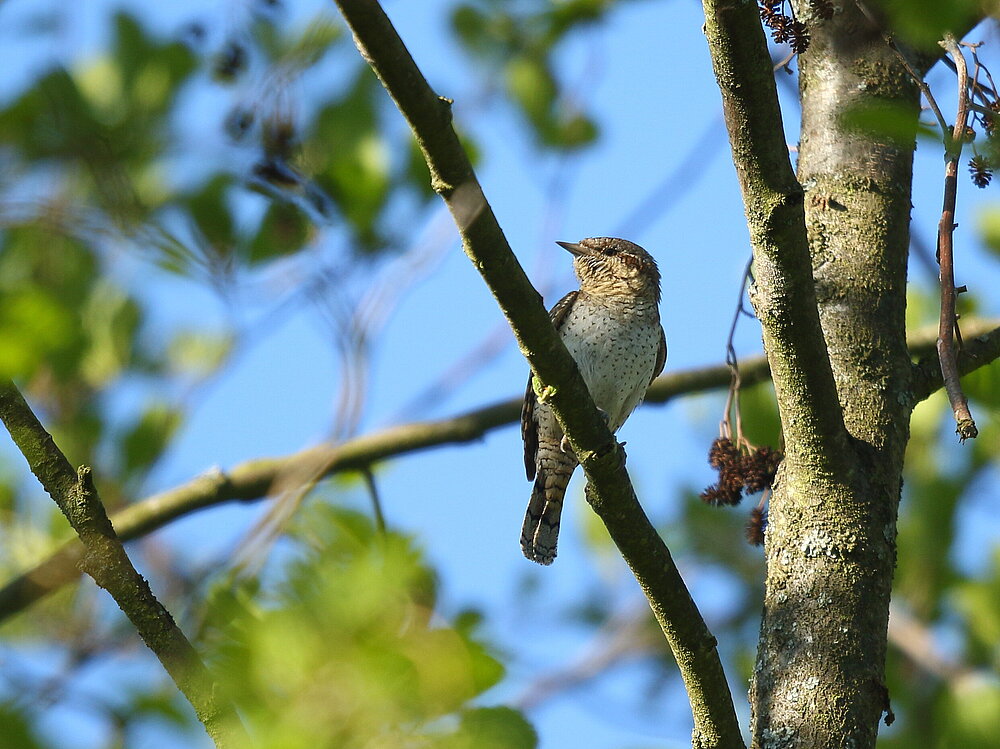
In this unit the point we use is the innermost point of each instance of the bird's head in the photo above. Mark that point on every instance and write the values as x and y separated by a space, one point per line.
612 267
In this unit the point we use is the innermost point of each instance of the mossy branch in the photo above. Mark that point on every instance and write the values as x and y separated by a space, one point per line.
102 557
611 491
783 292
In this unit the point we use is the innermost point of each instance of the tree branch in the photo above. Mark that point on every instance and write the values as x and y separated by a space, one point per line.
612 495
981 347
783 293
103 558
254 480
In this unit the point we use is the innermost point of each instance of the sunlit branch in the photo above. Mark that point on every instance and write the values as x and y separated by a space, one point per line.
256 479
783 293
104 559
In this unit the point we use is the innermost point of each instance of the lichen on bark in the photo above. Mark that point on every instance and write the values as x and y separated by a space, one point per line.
819 680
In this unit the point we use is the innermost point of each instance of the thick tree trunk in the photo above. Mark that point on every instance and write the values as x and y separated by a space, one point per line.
819 679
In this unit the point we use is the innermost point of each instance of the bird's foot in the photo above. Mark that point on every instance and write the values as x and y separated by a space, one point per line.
613 447
542 392
564 445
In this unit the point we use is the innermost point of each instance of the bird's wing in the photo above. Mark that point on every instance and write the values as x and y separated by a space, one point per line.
529 429
661 356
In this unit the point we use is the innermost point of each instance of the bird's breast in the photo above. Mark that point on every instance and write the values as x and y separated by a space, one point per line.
615 350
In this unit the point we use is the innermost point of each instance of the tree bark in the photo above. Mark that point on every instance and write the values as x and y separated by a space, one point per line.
819 679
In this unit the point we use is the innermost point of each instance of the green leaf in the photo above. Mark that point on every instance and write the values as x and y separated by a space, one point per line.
989 227
146 439
569 14
198 353
351 624
283 230
967 716
151 71
983 386
894 121
922 23
576 131
17 732
209 208
532 85
493 728
759 411
469 23
926 531
494 34
309 47
35 329
350 158
111 319
50 120
979 602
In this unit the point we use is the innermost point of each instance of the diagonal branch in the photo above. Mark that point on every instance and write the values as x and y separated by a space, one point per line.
783 293
612 495
104 559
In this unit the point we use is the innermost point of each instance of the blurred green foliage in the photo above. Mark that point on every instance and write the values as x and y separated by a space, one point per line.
922 23
346 647
518 42
347 650
889 119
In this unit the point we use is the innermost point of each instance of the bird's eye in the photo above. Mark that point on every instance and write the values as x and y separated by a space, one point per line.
609 251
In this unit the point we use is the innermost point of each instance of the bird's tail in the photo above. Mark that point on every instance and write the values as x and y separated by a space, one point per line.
540 531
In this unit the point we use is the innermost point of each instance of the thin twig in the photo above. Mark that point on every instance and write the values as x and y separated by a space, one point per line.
369 477
966 425
733 397
980 109
105 560
985 92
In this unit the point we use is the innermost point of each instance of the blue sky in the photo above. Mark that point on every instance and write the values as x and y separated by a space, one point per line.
646 76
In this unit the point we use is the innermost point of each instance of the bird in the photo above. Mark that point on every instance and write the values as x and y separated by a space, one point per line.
611 327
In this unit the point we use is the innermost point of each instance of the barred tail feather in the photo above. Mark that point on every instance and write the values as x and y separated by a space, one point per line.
532 518
540 532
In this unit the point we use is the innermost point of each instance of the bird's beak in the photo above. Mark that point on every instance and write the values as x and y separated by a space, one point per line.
572 247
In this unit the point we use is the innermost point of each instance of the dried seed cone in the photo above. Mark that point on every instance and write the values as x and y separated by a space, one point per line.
756 526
